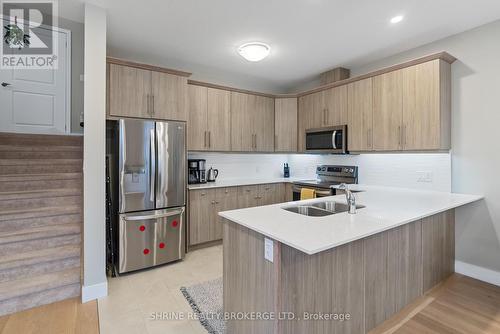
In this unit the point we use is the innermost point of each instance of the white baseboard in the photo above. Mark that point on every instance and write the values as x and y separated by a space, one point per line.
95 291
480 273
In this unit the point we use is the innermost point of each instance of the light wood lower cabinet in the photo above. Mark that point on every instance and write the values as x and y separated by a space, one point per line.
205 204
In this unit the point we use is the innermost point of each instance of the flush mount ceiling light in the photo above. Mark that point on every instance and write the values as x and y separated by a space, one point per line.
254 51
397 19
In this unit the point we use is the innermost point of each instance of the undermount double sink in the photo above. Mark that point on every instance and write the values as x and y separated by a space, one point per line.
320 209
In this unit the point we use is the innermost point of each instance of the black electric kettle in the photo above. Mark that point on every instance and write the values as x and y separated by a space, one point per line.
212 174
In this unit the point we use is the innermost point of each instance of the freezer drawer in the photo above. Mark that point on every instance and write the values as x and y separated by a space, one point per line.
150 238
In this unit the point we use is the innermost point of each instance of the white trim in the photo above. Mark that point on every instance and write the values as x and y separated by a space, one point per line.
68 80
95 291
480 273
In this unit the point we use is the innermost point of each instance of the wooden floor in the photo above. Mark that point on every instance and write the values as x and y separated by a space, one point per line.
68 317
460 305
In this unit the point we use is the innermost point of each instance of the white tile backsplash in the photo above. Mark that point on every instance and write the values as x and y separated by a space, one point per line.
421 171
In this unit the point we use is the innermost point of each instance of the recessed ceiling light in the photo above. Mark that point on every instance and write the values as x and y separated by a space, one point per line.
397 19
254 51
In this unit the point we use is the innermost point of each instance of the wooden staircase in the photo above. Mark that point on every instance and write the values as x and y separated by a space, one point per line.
41 203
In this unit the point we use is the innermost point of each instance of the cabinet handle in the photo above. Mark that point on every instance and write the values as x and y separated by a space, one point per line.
209 133
213 202
152 104
203 194
399 135
369 138
205 139
147 105
217 202
404 136
325 116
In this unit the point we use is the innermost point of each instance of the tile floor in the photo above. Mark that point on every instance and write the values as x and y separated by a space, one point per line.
132 298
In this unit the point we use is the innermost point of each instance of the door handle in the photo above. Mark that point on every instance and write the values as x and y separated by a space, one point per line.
5 84
154 216
152 161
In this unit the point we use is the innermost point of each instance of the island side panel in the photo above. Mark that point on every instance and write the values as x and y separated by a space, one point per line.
250 282
328 282
393 271
438 237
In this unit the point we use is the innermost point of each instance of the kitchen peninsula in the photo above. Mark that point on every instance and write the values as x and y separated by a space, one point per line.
361 267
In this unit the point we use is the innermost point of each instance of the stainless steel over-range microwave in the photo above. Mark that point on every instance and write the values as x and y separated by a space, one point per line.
327 140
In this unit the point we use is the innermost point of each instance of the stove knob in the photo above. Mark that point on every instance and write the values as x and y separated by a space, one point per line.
324 169
351 170
318 169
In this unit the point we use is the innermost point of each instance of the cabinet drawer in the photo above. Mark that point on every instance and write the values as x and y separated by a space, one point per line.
221 193
248 190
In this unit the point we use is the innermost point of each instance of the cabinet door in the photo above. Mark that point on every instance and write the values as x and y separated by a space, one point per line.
263 122
242 135
360 115
170 96
201 216
219 120
271 193
305 119
421 106
319 111
197 118
335 106
285 125
248 196
288 192
387 111
129 91
225 199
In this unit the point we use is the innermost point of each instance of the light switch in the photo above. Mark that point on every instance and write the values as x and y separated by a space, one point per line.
268 249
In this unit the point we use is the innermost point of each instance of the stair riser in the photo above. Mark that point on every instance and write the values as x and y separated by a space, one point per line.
40 185
40 154
41 169
35 140
41 298
31 245
31 203
38 269
26 223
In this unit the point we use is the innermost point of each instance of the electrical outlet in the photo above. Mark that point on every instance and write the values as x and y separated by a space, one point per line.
424 176
268 249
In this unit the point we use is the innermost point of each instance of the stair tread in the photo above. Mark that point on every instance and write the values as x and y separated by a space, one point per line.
39 177
39 212
41 232
18 288
26 194
31 162
39 256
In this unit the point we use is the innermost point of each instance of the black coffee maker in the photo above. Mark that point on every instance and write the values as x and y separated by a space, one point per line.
196 171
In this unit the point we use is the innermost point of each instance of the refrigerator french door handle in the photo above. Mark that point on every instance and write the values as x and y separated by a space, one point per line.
155 216
152 174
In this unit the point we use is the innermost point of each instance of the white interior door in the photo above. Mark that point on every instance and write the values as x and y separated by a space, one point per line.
36 101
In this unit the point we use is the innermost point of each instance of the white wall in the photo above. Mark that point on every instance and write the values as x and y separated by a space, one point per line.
94 232
475 136
397 170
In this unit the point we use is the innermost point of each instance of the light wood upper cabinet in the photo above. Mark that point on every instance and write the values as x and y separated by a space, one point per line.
169 96
335 106
219 119
426 106
208 119
360 115
129 91
387 111
197 118
285 124
134 90
305 118
252 123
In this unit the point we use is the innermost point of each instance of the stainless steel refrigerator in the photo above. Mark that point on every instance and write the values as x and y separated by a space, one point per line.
152 193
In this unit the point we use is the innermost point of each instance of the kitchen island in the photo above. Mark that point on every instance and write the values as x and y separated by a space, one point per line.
340 273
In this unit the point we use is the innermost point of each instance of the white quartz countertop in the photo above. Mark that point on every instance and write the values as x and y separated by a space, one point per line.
243 182
386 208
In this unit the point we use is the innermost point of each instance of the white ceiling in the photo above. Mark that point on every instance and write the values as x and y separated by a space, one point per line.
307 37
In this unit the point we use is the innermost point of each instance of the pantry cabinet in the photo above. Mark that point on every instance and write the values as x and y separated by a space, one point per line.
285 124
252 123
208 119
138 91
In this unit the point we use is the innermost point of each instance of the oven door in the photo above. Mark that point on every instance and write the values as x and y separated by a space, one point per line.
327 140
320 192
